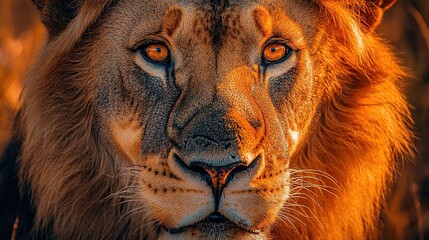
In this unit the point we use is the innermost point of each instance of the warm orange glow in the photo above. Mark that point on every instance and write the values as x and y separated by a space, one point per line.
12 93
16 53
19 43
404 27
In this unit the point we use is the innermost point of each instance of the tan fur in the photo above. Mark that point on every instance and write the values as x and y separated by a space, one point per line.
326 139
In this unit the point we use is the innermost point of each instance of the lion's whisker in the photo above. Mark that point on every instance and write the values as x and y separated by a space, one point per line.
307 196
286 220
316 172
134 211
292 217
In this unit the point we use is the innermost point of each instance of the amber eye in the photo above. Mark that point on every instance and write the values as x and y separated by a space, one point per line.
157 53
276 52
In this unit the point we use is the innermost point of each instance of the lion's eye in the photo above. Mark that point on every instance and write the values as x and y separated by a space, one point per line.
276 52
157 53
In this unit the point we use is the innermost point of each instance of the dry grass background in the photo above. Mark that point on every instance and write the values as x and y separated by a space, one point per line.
405 27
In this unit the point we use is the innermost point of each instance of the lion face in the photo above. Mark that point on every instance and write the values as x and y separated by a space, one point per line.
209 120
207 105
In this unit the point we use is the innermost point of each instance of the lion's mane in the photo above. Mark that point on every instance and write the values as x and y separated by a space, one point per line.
362 132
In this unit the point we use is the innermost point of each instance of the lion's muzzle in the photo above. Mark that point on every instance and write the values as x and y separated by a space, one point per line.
216 146
216 136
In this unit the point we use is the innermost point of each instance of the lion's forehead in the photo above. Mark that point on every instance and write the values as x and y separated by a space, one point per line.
211 22
208 33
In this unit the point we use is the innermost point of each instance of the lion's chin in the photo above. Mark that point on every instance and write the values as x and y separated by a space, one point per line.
218 228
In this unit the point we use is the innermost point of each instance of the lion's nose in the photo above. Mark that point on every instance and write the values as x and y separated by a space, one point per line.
216 176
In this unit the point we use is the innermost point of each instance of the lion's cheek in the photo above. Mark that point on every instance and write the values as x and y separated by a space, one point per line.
127 137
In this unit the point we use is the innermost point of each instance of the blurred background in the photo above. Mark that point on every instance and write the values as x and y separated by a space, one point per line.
405 28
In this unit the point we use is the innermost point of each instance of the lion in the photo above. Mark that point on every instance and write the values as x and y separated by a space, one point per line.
145 119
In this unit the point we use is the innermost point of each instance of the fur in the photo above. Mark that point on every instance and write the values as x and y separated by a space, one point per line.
79 178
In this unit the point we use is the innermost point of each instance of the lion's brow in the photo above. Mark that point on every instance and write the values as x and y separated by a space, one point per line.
171 21
263 20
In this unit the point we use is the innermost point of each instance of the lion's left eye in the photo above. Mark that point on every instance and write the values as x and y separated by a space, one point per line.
276 52
157 53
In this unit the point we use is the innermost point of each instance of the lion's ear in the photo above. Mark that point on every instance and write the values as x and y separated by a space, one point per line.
372 12
56 14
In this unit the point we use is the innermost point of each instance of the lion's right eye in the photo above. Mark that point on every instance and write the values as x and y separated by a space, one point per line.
157 53
276 52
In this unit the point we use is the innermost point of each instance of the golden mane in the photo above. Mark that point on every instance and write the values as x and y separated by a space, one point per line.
71 122
362 131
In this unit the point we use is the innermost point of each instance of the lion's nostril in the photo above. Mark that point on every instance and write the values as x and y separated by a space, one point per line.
204 174
198 169
238 169
226 146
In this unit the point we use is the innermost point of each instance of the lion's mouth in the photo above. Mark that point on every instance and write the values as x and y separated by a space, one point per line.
213 223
